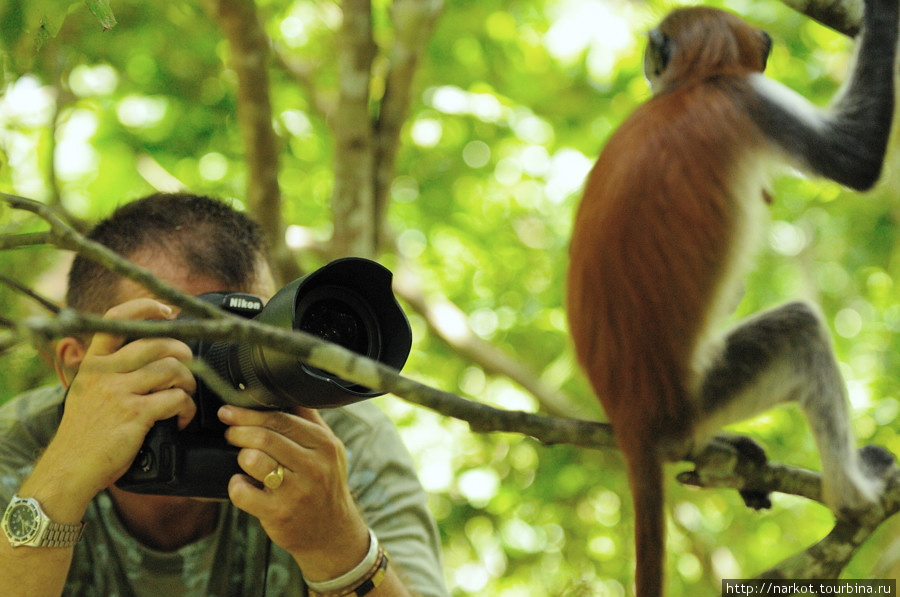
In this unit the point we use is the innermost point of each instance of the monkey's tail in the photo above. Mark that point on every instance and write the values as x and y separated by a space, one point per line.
645 471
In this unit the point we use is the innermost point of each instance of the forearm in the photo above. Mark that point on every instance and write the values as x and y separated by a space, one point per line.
41 571
33 571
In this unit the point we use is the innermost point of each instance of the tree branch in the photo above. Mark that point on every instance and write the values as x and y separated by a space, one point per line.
353 199
22 289
719 465
65 237
337 360
413 20
17 241
250 60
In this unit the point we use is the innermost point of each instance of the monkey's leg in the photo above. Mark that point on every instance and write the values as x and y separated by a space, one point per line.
785 354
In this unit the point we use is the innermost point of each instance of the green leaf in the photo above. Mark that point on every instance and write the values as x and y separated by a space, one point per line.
26 25
103 12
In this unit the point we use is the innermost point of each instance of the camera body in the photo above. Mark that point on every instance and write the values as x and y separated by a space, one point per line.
348 302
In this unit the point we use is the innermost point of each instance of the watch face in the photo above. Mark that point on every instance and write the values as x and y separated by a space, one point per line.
22 521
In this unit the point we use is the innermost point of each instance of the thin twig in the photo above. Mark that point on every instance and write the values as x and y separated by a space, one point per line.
19 287
18 241
66 237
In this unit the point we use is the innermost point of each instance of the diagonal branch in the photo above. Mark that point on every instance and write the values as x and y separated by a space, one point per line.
828 557
31 239
731 469
22 289
718 465
340 362
65 237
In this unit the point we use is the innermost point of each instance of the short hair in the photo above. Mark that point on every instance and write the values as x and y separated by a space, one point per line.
210 237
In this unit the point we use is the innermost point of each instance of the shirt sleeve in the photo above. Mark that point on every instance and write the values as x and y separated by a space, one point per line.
387 490
27 423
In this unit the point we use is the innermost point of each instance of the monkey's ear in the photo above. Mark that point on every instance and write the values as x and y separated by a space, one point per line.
657 56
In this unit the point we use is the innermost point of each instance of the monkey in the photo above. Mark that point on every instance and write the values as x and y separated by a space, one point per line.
665 228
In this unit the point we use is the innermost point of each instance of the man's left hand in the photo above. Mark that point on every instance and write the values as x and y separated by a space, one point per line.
311 514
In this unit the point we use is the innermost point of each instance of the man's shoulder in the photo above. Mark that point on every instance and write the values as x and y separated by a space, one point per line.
27 424
35 408
28 421
369 435
360 417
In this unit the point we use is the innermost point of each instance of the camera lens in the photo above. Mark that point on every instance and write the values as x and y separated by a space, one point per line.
336 321
339 315
348 303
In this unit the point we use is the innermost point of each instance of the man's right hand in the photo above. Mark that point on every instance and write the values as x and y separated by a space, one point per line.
119 391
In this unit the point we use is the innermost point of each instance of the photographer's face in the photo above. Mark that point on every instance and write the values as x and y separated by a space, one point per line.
174 272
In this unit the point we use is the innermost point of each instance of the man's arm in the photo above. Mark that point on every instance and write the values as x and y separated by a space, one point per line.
113 400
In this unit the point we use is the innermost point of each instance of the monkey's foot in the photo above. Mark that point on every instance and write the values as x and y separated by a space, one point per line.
730 454
752 451
859 486
877 462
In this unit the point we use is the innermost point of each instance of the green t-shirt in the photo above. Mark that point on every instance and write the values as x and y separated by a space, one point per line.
237 559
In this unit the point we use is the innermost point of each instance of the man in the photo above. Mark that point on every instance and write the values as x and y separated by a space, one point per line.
300 515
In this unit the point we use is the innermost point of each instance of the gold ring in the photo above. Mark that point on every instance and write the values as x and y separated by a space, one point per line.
274 479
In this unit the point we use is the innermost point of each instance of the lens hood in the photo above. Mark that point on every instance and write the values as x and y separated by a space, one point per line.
348 302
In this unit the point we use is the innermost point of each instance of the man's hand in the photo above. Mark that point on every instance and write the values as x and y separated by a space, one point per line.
311 514
119 391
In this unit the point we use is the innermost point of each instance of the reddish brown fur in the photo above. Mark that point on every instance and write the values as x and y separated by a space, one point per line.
652 238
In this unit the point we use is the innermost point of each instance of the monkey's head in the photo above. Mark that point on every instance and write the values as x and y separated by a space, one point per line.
692 44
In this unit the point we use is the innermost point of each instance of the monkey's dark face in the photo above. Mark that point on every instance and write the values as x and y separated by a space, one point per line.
693 44
657 56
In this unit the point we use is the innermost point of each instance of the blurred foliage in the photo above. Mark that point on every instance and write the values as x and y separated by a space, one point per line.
513 101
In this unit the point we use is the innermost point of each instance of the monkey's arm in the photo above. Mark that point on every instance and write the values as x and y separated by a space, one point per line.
846 142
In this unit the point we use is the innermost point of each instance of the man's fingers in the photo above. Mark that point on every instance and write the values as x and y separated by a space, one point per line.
163 374
138 353
172 402
307 432
256 463
310 414
138 309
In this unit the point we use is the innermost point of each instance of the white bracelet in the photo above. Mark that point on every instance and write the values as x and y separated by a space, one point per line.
353 576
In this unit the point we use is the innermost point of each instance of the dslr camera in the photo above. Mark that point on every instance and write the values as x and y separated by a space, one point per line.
348 302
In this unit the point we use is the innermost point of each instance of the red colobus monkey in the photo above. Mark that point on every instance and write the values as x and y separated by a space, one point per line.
665 229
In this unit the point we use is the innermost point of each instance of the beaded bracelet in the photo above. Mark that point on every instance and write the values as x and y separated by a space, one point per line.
371 569
373 577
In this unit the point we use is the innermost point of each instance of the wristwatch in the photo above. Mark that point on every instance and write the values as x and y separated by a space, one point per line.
25 523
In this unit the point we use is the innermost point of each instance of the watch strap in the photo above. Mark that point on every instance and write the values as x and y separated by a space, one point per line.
61 535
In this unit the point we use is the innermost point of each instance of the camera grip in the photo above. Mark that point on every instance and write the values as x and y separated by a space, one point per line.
157 460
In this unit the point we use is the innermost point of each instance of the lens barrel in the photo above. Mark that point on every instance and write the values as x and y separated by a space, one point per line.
348 302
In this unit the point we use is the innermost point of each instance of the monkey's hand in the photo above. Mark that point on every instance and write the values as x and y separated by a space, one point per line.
727 457
752 451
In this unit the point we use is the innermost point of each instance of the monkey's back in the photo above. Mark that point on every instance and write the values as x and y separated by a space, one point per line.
662 217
